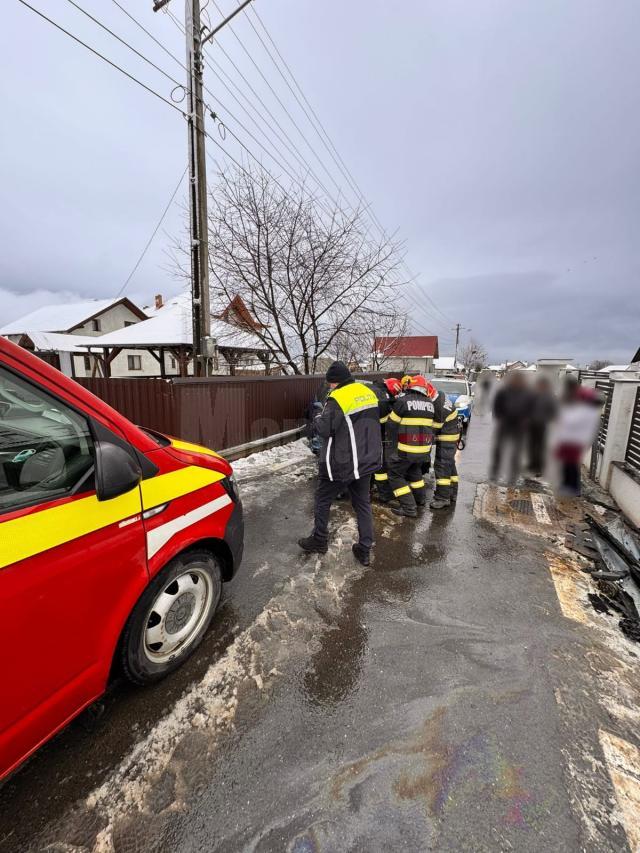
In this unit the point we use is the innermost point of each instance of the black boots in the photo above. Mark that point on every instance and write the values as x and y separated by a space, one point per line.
361 553
312 545
401 509
439 503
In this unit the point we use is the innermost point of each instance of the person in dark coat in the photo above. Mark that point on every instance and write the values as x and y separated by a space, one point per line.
511 411
544 408
351 452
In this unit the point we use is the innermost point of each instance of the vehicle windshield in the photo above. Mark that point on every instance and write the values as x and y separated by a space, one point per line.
452 386
160 439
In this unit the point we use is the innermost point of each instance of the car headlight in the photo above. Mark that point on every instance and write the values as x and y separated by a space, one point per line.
462 401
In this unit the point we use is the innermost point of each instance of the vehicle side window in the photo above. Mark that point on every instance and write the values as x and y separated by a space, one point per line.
46 448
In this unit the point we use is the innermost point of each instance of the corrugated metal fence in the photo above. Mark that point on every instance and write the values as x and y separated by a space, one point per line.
219 412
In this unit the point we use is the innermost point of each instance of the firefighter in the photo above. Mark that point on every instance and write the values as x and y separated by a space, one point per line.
351 452
386 392
447 435
410 433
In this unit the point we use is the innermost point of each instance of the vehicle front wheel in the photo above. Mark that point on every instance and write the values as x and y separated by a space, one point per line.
171 616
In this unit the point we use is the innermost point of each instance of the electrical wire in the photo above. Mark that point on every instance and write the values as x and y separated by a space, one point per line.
154 232
103 57
125 43
299 157
277 97
326 140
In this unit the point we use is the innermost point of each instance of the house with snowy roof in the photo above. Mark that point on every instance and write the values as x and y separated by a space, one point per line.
56 333
446 365
165 341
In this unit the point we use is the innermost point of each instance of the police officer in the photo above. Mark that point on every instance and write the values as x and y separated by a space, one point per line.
351 452
447 434
386 392
410 431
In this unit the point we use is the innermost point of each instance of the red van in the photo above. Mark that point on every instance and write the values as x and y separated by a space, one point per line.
114 545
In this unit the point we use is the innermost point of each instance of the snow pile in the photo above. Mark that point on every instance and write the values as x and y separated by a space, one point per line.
273 459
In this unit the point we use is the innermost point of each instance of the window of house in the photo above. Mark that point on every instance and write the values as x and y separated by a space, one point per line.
87 362
46 449
95 325
173 363
134 362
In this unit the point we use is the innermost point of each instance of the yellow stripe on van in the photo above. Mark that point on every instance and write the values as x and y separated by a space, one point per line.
48 528
193 448
39 531
167 487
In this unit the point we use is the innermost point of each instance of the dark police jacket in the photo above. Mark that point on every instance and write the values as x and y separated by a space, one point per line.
410 426
350 430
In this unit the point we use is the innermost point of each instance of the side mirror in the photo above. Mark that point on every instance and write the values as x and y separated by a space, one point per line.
116 471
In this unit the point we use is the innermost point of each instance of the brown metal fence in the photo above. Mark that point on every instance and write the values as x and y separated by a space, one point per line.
219 412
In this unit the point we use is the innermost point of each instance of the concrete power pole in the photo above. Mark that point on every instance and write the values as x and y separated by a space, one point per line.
455 357
203 344
198 194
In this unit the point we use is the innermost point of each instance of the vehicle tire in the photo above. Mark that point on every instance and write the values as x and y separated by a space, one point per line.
171 617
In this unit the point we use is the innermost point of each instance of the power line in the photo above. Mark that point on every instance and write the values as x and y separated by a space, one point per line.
277 97
299 156
338 162
326 139
125 43
154 232
103 57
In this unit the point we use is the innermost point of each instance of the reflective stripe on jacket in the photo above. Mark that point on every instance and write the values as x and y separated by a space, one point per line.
350 428
410 425
446 423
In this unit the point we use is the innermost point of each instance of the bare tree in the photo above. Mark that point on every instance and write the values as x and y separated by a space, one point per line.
473 355
310 276
598 364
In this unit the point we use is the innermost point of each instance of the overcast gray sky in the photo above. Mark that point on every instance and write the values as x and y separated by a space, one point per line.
500 137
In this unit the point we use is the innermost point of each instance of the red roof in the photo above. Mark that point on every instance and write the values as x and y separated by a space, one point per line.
416 346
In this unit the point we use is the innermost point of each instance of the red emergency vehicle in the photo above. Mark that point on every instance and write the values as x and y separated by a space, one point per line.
114 545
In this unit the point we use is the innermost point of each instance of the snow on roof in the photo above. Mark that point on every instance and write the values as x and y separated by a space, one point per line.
446 362
610 368
417 346
531 367
171 326
58 318
56 342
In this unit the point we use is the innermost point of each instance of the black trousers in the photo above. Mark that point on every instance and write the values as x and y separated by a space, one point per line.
445 470
359 492
406 480
571 477
536 446
507 441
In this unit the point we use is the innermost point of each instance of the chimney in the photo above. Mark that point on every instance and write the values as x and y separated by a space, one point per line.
159 302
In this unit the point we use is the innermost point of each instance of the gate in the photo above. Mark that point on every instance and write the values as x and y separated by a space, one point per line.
605 387
632 455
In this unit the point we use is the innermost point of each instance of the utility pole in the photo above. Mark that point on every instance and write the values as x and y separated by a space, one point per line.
203 344
201 312
455 357
457 329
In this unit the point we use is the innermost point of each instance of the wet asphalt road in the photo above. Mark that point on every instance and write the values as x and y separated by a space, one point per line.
410 706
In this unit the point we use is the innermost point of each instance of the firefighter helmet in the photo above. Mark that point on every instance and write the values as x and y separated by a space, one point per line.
417 383
432 391
393 385
404 382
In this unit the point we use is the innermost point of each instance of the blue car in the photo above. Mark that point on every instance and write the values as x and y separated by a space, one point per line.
459 392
